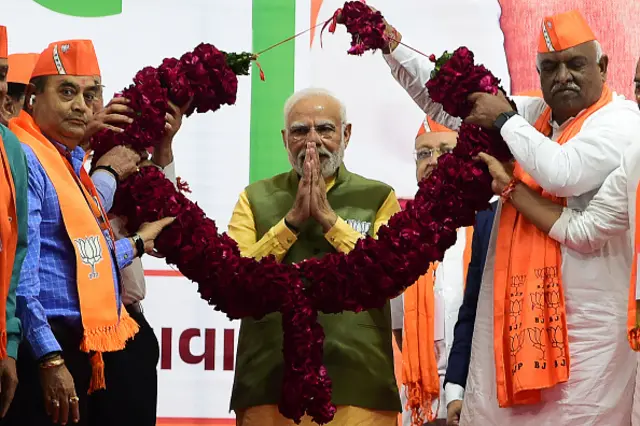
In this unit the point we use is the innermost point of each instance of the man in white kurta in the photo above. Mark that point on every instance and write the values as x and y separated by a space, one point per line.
600 388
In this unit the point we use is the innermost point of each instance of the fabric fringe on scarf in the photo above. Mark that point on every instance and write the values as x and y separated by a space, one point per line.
106 339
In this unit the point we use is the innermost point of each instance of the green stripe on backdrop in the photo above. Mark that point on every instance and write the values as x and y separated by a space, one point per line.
273 20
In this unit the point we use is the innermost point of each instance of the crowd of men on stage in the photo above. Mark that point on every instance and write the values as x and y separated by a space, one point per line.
525 320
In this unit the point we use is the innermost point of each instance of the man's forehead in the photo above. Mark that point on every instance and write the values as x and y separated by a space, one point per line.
436 139
83 82
316 105
587 49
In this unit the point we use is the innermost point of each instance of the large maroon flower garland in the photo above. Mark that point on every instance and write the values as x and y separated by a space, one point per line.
373 272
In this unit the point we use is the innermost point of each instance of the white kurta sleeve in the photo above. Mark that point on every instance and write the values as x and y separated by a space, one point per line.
412 71
606 215
397 313
170 172
581 164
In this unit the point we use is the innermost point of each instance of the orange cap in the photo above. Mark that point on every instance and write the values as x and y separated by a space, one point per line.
70 57
21 66
563 31
4 45
429 125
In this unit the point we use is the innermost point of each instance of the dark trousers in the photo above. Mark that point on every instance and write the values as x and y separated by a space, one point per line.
132 378
28 409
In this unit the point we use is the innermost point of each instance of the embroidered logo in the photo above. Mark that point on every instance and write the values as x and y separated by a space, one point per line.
65 48
547 37
58 61
90 253
360 226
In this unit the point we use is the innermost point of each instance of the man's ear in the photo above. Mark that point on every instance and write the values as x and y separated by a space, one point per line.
347 134
30 97
604 67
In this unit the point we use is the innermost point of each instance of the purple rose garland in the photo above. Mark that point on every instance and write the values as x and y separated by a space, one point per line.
375 271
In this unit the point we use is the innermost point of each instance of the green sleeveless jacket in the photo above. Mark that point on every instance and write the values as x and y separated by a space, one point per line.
358 351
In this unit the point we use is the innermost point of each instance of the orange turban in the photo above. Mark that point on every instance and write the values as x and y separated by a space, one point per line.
563 31
21 66
69 57
429 125
4 45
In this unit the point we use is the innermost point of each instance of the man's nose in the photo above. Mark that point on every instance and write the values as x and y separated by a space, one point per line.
563 75
314 137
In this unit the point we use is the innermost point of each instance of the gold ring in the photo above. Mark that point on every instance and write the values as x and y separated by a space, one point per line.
74 399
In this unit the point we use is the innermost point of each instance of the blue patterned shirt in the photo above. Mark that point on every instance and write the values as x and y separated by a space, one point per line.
48 287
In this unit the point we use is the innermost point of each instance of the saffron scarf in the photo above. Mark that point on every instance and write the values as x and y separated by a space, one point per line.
633 322
530 325
8 241
84 220
419 363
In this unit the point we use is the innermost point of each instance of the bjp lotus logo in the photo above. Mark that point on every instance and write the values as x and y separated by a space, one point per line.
90 253
517 341
83 9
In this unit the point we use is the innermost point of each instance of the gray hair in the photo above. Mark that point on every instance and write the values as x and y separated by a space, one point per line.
307 93
596 44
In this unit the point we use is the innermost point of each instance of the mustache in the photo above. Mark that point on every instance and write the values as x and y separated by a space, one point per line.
569 86
322 152
78 118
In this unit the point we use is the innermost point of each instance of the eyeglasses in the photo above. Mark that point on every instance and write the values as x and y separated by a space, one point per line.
430 153
325 131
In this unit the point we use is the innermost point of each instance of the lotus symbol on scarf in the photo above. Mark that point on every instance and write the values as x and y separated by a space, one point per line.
537 300
535 335
553 300
516 310
90 253
517 341
557 338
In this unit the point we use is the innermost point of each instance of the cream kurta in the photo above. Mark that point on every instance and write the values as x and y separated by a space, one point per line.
600 389
611 212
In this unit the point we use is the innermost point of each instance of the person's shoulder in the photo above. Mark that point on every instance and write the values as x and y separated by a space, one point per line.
9 139
620 109
276 179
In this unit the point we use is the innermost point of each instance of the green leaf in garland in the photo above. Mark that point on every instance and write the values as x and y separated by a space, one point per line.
239 62
440 62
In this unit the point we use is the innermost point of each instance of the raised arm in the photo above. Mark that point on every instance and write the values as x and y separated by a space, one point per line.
412 71
581 164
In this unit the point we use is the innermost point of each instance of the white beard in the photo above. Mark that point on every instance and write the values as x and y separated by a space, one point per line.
328 168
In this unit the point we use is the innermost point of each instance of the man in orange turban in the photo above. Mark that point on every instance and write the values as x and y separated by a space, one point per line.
69 291
543 305
428 310
20 68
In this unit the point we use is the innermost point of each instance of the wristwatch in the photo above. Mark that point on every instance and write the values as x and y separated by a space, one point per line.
137 240
503 118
